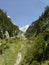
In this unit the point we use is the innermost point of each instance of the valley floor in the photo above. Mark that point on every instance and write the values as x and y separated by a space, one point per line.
11 51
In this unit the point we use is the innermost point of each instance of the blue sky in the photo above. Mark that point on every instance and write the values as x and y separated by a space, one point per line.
23 12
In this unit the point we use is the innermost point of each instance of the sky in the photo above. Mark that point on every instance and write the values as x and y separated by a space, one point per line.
23 12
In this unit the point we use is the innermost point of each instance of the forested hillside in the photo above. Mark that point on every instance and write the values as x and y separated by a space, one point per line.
7 28
38 41
40 25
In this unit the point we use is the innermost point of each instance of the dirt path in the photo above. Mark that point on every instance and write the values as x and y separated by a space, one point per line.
19 56
18 59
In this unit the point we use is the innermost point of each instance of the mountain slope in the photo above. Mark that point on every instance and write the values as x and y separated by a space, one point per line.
6 25
38 41
39 25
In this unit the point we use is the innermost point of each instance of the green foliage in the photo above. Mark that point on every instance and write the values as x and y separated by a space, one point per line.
7 25
38 36
39 25
9 49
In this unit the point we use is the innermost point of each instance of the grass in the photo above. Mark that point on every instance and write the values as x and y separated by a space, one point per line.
9 55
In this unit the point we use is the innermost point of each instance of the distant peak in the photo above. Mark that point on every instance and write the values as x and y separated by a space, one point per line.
23 29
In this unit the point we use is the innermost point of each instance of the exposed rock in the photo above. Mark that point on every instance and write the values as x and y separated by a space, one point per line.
6 34
0 44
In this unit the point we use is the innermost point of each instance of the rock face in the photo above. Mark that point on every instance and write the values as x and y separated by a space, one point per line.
6 34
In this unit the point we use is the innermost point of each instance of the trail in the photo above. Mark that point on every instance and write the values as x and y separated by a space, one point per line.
19 57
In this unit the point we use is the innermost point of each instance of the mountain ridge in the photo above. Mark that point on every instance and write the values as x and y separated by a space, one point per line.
7 25
39 25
